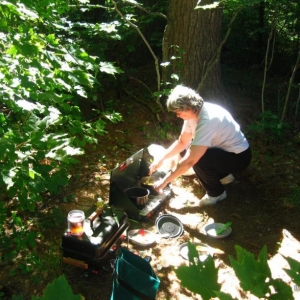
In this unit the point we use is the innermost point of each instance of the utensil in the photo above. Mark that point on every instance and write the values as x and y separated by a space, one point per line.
213 229
148 181
223 228
149 177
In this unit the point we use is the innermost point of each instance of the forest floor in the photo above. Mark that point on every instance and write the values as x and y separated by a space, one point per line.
256 205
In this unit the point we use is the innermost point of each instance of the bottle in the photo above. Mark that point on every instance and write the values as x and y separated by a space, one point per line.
99 203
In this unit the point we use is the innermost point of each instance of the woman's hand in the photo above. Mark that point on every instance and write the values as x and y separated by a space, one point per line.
159 185
155 165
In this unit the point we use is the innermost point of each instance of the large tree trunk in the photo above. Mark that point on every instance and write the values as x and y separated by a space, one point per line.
194 35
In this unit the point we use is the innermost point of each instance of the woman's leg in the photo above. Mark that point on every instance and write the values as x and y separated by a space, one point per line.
217 164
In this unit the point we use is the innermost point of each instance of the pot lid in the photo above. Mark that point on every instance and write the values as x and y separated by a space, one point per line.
169 226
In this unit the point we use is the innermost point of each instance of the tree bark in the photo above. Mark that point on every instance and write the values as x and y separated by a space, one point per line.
194 35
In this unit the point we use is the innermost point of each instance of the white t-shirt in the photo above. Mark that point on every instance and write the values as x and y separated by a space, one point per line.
216 128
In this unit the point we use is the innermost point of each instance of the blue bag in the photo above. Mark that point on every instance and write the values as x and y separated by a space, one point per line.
134 278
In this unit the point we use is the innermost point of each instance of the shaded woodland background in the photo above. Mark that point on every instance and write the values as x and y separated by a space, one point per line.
72 74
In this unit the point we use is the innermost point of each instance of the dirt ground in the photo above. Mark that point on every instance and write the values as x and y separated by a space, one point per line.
255 205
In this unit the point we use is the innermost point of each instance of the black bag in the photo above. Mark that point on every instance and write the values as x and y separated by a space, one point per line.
134 278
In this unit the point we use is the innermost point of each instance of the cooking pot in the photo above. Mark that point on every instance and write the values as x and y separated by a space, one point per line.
148 181
138 195
169 226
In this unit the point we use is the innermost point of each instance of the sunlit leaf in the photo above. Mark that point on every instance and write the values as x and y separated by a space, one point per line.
26 12
81 93
73 151
109 68
31 173
26 105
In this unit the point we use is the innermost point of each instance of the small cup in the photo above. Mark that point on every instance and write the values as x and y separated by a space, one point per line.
75 222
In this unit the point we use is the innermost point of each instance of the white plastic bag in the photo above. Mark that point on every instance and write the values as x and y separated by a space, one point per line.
158 151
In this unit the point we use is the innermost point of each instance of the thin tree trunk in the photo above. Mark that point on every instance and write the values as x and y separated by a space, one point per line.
290 86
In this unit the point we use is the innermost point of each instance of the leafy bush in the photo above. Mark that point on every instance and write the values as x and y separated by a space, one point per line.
44 79
268 129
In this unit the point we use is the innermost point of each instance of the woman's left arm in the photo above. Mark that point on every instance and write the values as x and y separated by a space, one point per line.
191 157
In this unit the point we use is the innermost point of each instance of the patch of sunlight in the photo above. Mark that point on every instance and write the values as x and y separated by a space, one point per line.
289 247
176 290
182 198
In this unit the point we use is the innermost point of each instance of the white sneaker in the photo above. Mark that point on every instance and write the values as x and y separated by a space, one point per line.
228 179
209 200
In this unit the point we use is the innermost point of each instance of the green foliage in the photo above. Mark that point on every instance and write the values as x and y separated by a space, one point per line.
294 271
58 289
254 275
199 277
45 79
268 128
251 273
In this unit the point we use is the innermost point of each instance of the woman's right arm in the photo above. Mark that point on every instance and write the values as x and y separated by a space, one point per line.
178 146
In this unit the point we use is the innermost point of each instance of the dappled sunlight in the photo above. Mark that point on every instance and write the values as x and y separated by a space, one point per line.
175 289
183 197
228 280
289 247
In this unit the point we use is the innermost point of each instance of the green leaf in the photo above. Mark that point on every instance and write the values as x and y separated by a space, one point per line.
8 178
26 49
109 68
31 173
282 290
294 271
26 105
84 78
223 296
3 23
81 92
59 289
31 239
253 274
199 277
13 51
26 12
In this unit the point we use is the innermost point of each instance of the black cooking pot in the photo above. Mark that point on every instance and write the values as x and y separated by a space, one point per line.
138 195
169 226
147 182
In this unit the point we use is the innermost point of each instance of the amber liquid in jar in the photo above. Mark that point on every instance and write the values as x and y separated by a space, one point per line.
75 222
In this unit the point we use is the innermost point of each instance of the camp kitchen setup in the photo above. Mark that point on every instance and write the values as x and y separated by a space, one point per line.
91 235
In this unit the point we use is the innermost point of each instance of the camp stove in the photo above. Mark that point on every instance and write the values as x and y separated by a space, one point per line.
103 229
127 175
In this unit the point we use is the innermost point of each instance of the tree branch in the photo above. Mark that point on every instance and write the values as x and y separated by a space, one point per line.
145 10
150 49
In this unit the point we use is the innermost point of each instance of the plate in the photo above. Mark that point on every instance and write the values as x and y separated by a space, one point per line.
202 249
211 230
141 237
